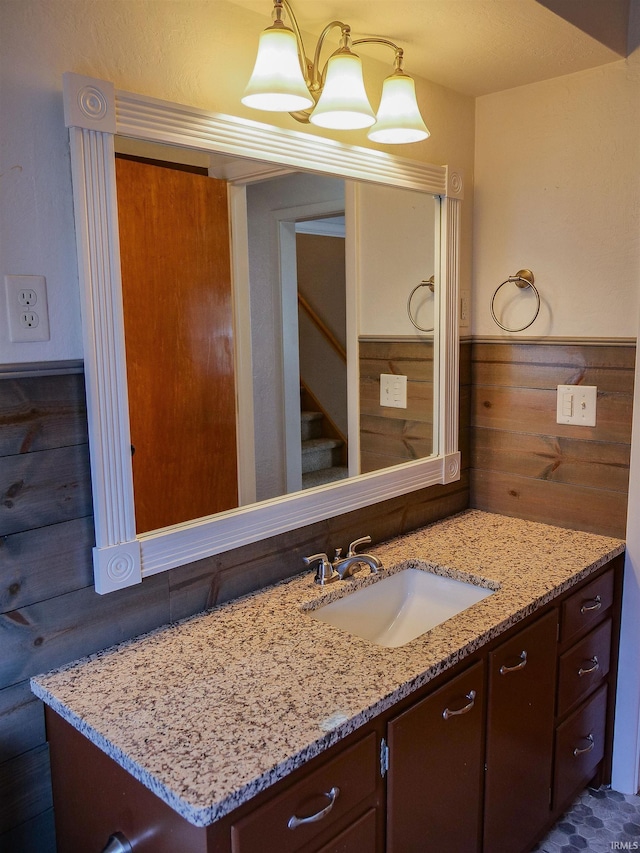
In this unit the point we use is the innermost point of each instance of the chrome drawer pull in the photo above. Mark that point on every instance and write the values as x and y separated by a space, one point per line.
587 608
471 696
300 821
577 751
505 670
596 666
117 843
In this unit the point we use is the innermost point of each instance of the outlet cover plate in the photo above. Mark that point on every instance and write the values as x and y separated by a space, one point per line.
27 308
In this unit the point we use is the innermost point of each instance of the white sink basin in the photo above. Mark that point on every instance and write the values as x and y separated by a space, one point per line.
401 607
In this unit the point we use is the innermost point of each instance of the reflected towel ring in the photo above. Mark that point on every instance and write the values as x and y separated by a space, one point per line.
430 283
522 279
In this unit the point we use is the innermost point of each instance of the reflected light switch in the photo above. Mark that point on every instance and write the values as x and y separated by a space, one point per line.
576 404
393 390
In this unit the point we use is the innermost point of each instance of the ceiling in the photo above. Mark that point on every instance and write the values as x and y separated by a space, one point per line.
479 46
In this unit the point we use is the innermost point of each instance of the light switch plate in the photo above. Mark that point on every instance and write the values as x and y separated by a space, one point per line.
393 390
576 404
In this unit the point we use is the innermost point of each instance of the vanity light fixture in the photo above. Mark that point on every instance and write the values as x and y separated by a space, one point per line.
285 80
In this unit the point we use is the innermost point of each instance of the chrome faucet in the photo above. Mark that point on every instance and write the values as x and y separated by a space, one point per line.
349 565
325 572
342 567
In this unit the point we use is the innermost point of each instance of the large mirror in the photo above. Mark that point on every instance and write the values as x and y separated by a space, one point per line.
306 350
205 437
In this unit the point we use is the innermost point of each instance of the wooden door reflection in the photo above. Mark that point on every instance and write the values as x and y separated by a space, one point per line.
176 278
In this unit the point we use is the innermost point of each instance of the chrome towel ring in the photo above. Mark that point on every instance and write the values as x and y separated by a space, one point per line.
522 279
430 283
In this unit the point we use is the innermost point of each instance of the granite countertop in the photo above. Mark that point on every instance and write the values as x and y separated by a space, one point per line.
210 711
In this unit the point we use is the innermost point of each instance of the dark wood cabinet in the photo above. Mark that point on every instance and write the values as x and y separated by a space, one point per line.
586 685
434 788
332 805
583 667
296 818
520 719
360 837
486 758
580 746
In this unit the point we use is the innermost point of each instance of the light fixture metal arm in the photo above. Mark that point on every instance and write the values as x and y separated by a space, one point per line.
378 40
305 64
314 77
318 76
311 70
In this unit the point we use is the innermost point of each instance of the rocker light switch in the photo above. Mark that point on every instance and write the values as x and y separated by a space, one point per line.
576 404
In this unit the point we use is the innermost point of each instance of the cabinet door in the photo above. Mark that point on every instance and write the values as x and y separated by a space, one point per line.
435 770
520 720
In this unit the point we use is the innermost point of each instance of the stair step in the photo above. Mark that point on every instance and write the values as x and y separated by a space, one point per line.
324 475
311 425
320 453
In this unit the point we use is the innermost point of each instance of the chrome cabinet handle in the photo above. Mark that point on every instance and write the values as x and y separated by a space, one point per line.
577 751
471 696
596 665
332 795
505 670
587 608
117 843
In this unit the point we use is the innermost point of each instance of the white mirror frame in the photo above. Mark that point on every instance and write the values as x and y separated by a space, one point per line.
94 113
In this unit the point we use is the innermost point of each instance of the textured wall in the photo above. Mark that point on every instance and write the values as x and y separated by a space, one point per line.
557 191
191 51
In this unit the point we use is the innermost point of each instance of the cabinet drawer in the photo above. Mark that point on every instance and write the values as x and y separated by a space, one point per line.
579 747
585 607
360 837
583 666
333 789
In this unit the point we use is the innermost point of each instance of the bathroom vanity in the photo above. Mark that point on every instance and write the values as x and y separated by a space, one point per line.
255 727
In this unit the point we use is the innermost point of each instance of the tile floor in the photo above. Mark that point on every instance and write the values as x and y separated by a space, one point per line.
600 821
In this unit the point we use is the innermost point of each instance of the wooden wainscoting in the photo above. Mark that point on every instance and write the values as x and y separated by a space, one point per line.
49 611
525 464
389 436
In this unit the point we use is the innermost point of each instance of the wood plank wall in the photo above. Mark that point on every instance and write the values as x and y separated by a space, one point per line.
523 463
390 436
49 612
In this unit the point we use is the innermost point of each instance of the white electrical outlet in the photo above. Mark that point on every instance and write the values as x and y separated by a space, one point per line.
393 390
27 308
576 404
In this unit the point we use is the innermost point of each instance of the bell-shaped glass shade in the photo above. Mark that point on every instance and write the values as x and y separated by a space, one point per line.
399 118
277 83
343 104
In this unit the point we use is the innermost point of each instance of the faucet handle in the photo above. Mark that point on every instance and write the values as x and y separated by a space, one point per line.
325 572
364 540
